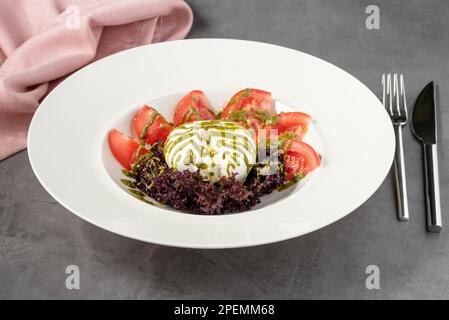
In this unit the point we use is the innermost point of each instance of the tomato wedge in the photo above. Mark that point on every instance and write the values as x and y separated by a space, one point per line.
249 100
193 107
155 126
300 159
296 122
123 148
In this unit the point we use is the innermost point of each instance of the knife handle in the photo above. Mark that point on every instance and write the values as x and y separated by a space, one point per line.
399 169
433 206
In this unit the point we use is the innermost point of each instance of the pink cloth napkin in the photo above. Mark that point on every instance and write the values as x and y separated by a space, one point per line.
44 40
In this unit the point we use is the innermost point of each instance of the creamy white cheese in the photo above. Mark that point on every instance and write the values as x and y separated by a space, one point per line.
217 148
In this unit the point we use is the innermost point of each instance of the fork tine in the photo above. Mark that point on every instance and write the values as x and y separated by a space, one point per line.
389 94
396 94
404 99
393 97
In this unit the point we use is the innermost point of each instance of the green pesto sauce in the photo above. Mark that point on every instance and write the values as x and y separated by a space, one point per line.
292 182
148 124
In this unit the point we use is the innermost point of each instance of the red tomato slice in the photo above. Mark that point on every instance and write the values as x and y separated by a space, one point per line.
157 127
123 148
296 122
300 158
193 107
249 100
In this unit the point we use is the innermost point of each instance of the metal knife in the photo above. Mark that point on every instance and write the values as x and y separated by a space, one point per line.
424 127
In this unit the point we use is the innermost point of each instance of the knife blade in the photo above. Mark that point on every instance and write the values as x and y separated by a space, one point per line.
424 126
424 115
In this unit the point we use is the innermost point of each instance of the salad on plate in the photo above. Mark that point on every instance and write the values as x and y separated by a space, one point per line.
208 163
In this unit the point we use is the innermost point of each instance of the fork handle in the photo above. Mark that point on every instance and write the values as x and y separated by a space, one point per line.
399 166
433 207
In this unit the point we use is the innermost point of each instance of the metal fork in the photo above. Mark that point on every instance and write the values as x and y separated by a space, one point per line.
394 100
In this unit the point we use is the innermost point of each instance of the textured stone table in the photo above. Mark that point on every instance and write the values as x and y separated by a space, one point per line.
39 238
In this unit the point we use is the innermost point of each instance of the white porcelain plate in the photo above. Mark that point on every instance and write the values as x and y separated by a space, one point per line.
68 153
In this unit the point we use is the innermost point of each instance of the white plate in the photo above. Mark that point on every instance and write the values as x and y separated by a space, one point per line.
68 154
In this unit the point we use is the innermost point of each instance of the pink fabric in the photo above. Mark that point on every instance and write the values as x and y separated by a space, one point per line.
40 43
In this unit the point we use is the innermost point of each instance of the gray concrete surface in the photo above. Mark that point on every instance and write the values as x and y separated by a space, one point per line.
39 238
